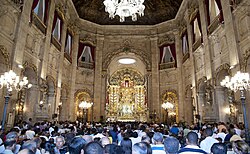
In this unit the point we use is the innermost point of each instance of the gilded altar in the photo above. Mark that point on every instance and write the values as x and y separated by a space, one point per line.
126 97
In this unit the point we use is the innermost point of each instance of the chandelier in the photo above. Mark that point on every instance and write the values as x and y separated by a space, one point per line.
167 105
240 81
85 105
124 8
11 80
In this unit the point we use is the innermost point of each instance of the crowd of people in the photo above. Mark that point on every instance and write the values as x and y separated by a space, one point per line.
123 138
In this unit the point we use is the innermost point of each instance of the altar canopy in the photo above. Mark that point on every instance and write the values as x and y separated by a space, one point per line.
126 96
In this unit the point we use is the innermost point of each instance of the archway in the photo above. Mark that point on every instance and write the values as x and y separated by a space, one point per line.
170 115
83 115
31 105
222 93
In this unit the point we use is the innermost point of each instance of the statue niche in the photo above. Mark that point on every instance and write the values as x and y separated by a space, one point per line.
126 96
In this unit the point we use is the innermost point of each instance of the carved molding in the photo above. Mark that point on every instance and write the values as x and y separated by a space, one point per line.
31 65
222 67
88 39
193 12
72 27
127 48
202 80
166 39
132 74
245 59
61 10
169 91
5 54
80 91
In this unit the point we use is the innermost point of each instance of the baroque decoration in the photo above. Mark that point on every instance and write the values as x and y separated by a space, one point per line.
126 96
171 96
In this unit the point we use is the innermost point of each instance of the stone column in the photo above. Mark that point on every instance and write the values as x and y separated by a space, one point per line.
63 112
200 104
104 93
192 61
30 105
155 85
181 83
149 99
206 47
230 30
21 34
72 102
51 106
47 41
189 111
99 104
60 71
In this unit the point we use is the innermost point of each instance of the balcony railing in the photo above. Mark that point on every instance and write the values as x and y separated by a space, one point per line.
167 65
88 65
39 24
214 24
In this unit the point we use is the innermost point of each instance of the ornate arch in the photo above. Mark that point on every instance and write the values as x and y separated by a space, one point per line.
200 81
133 74
49 77
88 39
85 90
169 91
222 67
173 95
27 64
166 39
5 54
127 48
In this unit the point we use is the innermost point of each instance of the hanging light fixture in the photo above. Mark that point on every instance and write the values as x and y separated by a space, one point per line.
124 8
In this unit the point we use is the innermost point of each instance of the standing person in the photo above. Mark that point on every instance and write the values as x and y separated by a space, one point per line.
219 148
59 145
240 147
207 143
157 146
10 145
141 148
192 145
93 148
126 145
171 145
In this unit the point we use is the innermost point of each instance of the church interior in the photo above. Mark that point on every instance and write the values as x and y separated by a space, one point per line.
174 61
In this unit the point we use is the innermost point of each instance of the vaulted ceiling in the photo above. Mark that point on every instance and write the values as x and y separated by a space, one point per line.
156 11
